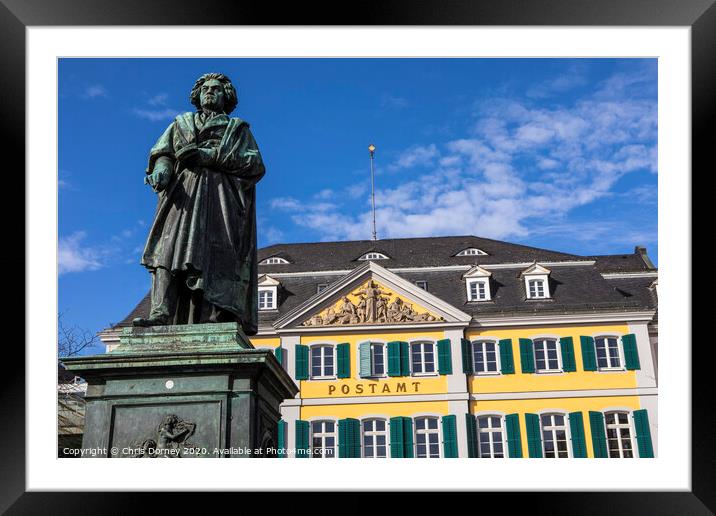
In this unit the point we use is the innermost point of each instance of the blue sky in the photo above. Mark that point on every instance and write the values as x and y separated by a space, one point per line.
555 153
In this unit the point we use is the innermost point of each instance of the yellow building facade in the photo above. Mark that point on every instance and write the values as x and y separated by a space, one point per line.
457 347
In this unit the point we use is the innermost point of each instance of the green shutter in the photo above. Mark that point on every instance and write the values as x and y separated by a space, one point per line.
471 425
534 439
643 434
365 362
301 362
444 357
281 446
404 359
599 437
394 358
354 441
449 437
589 354
527 356
631 354
507 361
567 346
466 356
408 437
278 353
303 451
576 426
349 438
514 437
344 360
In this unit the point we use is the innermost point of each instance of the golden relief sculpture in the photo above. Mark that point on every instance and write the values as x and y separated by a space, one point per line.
371 304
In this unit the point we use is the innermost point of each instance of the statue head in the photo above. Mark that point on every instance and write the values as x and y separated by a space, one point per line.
215 92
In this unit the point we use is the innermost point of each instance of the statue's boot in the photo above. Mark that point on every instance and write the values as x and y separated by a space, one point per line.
164 293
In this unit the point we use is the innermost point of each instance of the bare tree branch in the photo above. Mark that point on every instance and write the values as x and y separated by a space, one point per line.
72 340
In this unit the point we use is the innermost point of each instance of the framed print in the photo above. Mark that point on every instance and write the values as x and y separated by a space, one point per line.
456 290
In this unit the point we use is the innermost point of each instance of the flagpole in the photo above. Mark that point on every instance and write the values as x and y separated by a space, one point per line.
371 149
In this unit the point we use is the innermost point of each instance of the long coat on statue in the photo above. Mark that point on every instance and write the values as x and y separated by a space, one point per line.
204 230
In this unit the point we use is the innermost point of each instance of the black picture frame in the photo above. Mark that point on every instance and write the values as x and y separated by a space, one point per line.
17 15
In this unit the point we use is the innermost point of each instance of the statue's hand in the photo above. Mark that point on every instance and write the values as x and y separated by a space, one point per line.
158 179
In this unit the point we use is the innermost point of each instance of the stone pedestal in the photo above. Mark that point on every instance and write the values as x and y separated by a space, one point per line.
197 390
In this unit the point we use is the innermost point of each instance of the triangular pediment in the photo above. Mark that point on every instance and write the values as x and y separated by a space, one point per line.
477 272
535 268
371 295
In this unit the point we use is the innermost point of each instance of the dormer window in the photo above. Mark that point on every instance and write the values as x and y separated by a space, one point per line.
422 284
472 251
373 256
268 293
477 282
537 282
274 260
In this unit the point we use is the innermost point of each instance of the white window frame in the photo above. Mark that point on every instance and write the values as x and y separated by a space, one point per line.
503 432
323 435
274 294
477 281
311 350
472 251
545 288
632 434
422 357
620 352
567 433
558 347
373 256
423 282
428 432
274 260
373 372
373 434
321 287
480 342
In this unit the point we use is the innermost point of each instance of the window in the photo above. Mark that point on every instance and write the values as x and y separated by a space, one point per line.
322 362
274 260
554 436
536 289
267 298
427 438
323 439
377 359
546 356
478 290
619 439
422 358
375 438
321 287
490 438
484 354
471 251
422 284
608 353
373 256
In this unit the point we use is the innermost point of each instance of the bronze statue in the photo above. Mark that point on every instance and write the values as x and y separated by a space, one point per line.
201 249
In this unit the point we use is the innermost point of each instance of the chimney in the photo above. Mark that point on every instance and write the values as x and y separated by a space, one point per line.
641 251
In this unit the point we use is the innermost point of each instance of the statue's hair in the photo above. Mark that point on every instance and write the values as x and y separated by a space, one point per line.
230 97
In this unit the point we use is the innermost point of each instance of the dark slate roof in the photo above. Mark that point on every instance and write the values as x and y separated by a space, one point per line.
402 252
574 288
638 261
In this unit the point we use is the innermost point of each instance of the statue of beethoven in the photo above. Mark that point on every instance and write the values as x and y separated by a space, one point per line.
201 249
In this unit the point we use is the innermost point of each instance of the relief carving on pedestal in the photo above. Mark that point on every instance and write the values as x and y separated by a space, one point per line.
171 439
371 304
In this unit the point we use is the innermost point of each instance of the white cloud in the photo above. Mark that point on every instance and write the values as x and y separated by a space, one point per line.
156 115
415 156
74 257
95 91
158 100
522 168
393 101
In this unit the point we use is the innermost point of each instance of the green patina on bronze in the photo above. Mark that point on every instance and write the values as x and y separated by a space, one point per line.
201 248
172 389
